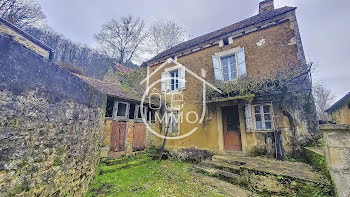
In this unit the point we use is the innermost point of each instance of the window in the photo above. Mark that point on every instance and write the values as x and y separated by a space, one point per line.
122 107
174 80
229 70
229 65
172 122
349 105
263 120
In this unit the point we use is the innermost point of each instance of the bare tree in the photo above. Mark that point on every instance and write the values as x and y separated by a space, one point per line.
23 13
120 39
323 99
164 35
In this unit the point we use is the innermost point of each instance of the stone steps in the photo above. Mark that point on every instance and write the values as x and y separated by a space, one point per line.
261 175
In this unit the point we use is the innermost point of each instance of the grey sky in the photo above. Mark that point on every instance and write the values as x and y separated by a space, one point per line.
324 24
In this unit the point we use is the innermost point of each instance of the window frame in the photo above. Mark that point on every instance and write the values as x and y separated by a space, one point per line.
176 80
224 54
116 108
262 113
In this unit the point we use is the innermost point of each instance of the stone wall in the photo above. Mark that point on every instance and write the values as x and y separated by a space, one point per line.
51 126
11 32
337 152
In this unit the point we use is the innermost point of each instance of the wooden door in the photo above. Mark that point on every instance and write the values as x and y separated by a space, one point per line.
231 127
139 137
118 136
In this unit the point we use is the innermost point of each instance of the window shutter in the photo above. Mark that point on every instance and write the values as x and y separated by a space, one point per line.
182 77
248 117
163 80
242 68
217 68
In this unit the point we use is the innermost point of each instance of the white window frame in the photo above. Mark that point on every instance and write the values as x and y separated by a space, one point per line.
175 79
168 79
262 116
228 53
116 105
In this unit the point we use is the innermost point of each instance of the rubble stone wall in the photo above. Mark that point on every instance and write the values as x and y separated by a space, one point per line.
51 126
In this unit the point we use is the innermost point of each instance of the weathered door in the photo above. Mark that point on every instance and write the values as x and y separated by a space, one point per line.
118 136
231 127
139 137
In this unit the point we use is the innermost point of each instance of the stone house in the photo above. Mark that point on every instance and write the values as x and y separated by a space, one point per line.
339 112
259 66
124 130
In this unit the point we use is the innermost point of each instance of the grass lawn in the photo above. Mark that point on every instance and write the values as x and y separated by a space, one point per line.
142 176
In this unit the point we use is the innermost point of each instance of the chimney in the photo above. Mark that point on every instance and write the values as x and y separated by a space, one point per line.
265 6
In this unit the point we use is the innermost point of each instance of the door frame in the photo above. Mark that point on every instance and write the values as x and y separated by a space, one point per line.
220 125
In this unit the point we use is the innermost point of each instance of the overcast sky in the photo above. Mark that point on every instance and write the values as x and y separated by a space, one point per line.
324 25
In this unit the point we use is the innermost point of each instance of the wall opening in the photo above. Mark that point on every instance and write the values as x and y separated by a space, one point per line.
132 111
121 109
109 107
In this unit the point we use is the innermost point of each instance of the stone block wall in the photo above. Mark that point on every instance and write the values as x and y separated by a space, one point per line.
337 152
51 126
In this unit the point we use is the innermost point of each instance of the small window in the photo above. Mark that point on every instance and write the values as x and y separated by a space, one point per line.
349 105
263 119
174 80
225 40
122 107
109 107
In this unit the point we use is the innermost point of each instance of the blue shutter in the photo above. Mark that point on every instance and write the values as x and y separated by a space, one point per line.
248 117
242 68
182 78
217 68
163 80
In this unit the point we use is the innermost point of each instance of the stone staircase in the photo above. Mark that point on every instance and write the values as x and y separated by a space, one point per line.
266 177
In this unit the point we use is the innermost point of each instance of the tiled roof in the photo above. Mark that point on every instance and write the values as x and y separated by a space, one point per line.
339 103
220 33
108 88
123 69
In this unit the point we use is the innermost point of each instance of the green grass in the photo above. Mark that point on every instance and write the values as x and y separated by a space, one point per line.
142 176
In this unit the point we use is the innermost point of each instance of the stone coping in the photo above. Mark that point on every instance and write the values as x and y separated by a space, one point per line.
334 127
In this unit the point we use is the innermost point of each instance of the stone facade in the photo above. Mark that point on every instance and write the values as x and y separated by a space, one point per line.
337 152
270 47
51 126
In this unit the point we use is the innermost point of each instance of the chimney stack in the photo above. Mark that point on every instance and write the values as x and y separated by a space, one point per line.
265 6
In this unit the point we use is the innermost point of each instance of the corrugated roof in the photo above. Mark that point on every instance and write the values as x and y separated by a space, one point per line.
109 88
221 32
339 103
